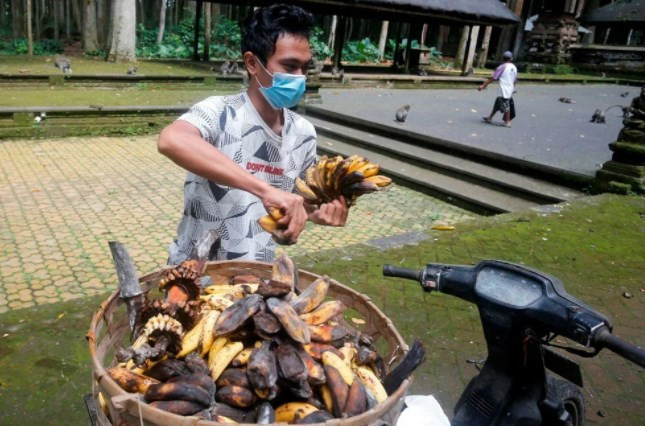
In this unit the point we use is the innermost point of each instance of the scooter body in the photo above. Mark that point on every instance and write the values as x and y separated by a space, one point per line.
521 311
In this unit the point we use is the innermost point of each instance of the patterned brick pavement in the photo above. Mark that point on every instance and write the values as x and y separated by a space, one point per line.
62 200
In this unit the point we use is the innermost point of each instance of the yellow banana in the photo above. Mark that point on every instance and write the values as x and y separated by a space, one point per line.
379 180
324 312
208 332
223 357
293 411
217 301
130 381
268 223
326 397
242 358
330 358
349 352
369 169
304 190
372 383
357 163
190 341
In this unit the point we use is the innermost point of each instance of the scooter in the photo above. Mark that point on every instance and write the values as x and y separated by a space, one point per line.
522 310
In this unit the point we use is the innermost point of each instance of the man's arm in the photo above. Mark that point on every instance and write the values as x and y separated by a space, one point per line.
486 83
183 144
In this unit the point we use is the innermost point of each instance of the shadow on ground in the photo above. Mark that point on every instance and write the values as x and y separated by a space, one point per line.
593 245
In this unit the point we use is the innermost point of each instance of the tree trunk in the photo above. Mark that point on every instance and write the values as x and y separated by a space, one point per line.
90 35
472 47
483 53
68 21
142 19
444 33
332 31
17 21
77 15
30 36
461 50
37 18
101 17
383 40
162 20
56 22
207 32
124 25
3 13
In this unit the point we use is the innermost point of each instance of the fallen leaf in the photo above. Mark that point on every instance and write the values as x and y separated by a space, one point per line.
61 315
443 228
358 321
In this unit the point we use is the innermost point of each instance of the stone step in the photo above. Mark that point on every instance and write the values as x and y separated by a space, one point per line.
528 188
497 160
467 194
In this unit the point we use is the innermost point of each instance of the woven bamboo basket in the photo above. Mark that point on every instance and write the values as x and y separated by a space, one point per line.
109 330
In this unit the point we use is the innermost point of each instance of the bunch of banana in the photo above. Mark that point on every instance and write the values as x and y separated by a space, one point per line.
350 177
327 180
266 354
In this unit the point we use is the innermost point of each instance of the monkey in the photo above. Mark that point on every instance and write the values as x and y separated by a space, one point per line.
624 94
233 68
598 117
334 71
223 69
402 113
64 63
423 72
132 70
624 109
567 100
341 74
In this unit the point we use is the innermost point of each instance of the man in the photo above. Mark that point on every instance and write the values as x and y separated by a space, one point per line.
506 75
243 152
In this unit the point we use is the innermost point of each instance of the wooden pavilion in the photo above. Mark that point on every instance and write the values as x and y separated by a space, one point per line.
414 12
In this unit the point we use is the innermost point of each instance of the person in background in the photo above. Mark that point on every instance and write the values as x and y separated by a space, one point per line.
243 152
506 76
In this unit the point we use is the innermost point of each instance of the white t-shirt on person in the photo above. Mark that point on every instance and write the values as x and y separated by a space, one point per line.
506 76
232 125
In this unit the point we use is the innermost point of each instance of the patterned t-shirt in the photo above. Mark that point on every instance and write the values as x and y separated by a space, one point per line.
232 125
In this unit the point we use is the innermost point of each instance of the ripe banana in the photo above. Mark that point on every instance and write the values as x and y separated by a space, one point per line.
327 333
223 357
235 396
338 389
207 336
289 319
171 391
130 381
233 377
312 296
235 315
372 383
324 312
292 411
356 400
331 359
242 358
325 393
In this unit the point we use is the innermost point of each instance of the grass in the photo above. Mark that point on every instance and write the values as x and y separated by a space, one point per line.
40 65
81 96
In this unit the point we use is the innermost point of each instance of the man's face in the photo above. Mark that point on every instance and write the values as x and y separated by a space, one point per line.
292 55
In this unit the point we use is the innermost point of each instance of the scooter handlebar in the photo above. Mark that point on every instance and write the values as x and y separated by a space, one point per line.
604 339
410 274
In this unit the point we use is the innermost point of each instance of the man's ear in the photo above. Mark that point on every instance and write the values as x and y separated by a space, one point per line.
251 63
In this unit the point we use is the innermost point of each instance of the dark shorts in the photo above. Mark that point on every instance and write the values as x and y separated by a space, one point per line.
504 106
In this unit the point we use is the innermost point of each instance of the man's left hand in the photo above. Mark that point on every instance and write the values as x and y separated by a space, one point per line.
333 213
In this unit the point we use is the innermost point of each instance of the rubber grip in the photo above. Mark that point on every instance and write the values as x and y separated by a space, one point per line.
395 271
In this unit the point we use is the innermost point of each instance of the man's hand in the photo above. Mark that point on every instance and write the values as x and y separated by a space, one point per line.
292 205
482 87
330 214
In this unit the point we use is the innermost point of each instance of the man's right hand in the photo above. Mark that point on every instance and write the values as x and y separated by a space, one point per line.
292 205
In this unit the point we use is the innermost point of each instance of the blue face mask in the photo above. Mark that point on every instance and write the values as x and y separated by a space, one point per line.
285 91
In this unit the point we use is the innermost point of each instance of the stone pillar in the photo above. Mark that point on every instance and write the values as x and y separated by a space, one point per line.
625 172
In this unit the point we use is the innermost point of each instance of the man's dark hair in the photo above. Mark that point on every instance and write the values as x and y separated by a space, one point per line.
267 24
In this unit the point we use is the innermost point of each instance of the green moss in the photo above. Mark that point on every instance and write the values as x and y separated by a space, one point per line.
96 66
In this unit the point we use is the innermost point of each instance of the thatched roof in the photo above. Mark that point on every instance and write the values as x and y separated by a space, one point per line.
466 11
619 11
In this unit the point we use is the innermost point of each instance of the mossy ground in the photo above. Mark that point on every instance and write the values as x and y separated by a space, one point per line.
39 65
135 95
594 245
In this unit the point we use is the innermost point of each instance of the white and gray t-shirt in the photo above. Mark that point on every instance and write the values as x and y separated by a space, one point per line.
232 125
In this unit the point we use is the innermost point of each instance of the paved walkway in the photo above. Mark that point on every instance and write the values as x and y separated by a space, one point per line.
62 200
545 131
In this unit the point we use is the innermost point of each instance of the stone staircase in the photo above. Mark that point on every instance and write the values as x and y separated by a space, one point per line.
480 181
